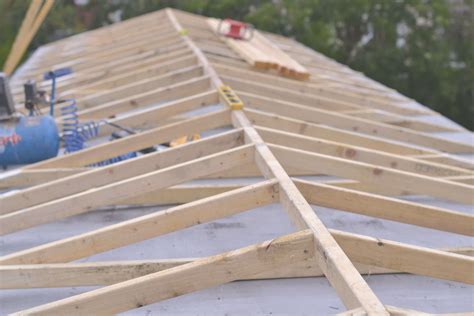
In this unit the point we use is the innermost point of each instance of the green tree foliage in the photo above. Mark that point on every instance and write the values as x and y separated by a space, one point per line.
422 48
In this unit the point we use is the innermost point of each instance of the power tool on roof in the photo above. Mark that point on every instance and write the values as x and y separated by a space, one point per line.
27 138
235 29
34 137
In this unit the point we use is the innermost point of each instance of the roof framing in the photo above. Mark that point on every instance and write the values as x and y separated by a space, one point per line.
337 123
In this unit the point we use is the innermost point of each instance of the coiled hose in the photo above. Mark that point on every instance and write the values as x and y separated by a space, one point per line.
73 141
76 134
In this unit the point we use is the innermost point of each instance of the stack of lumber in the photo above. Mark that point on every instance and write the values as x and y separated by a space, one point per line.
260 53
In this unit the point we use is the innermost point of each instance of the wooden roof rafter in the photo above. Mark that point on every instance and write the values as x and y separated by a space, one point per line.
276 154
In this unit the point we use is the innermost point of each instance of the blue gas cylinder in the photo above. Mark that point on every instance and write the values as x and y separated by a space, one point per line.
28 139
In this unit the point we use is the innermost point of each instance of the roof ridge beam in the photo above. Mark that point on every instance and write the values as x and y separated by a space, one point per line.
341 273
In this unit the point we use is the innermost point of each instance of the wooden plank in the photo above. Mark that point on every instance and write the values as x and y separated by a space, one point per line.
287 66
354 312
140 86
15 57
361 154
87 44
102 68
268 91
106 273
94 38
251 171
25 27
259 52
402 121
326 195
287 95
180 194
371 188
116 47
467 179
333 134
185 194
250 261
111 34
28 178
153 97
111 272
149 118
120 171
407 258
114 33
139 72
397 311
163 45
188 193
22 178
89 53
139 141
184 279
148 226
346 122
111 68
121 190
376 176
446 158
329 133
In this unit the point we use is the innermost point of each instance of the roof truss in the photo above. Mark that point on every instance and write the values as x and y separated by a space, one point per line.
287 129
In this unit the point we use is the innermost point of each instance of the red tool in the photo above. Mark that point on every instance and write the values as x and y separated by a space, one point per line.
235 29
